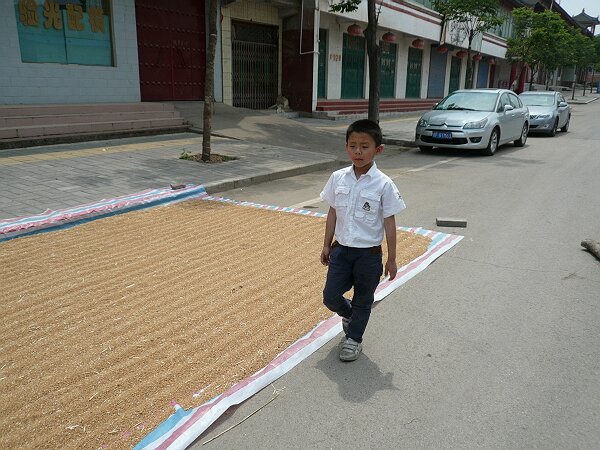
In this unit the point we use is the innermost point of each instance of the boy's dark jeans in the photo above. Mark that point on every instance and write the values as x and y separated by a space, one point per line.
358 267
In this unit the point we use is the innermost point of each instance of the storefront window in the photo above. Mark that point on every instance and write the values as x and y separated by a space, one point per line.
65 31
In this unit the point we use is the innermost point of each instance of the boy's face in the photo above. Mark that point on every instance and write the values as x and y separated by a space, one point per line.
361 149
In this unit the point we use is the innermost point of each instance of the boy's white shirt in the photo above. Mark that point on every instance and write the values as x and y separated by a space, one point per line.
361 205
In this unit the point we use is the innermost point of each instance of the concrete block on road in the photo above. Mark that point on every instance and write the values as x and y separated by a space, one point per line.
450 222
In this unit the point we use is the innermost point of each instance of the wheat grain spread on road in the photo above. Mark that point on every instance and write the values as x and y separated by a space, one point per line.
106 323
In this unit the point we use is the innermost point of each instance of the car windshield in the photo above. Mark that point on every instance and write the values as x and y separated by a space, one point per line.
538 100
469 101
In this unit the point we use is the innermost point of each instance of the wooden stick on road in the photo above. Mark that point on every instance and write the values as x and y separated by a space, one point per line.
591 246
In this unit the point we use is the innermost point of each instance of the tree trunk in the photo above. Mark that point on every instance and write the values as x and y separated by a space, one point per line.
373 52
531 80
209 80
469 74
574 81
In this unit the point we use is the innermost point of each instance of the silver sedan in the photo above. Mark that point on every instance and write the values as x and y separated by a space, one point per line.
548 111
475 119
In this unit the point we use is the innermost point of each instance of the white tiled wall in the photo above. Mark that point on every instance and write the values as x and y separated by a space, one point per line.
44 83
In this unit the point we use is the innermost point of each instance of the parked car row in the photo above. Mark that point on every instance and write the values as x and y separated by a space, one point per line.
484 119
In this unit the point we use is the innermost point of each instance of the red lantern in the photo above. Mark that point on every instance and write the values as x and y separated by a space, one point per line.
354 30
477 57
442 49
389 37
461 54
418 43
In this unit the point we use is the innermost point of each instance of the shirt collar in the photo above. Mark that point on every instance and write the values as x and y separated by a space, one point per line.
370 173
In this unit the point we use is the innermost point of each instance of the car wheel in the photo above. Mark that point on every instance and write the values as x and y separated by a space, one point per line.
552 132
521 141
493 144
565 128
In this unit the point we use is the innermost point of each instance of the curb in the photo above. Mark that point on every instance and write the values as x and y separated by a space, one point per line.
400 142
234 183
582 102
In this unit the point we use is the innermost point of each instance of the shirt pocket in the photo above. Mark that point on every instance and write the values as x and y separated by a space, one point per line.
342 196
368 206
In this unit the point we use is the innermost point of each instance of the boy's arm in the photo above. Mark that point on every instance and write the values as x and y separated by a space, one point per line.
329 231
389 223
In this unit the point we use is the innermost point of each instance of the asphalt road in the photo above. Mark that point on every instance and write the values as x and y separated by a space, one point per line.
496 345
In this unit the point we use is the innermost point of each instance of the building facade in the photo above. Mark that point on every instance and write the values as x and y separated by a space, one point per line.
94 51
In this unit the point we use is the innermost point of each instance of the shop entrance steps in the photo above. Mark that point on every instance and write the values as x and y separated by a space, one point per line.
334 109
30 125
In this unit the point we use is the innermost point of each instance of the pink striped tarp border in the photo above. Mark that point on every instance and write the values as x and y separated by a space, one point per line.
151 197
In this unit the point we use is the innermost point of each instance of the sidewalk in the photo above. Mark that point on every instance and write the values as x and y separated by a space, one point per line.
36 179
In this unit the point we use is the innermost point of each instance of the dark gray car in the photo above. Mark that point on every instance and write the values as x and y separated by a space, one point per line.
548 111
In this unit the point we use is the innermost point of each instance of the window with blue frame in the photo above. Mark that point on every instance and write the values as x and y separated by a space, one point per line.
65 31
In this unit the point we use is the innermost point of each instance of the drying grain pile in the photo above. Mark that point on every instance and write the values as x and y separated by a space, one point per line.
105 324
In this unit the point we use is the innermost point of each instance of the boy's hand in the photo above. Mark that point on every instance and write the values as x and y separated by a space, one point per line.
391 268
325 255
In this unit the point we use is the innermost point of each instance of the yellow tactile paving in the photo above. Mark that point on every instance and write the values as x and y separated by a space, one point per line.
68 154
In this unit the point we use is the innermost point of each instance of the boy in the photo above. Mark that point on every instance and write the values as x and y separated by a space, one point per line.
363 202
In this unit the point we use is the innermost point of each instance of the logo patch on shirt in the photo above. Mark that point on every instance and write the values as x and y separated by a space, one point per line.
367 207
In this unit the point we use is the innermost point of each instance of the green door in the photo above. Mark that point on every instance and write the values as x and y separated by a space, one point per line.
387 73
353 67
321 92
413 76
454 74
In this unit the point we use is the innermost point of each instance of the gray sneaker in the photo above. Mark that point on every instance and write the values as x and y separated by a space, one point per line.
345 324
350 350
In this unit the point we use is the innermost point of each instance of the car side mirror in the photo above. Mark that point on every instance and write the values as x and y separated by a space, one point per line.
562 104
508 108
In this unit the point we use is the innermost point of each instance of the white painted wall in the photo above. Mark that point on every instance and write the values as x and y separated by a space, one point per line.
46 83
425 70
334 55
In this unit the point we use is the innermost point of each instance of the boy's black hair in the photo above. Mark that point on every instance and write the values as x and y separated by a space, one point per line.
366 126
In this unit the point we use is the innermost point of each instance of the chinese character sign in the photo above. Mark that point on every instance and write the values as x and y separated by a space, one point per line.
75 17
53 15
28 13
65 31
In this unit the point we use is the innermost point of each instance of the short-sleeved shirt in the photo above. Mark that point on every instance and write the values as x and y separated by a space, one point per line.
361 205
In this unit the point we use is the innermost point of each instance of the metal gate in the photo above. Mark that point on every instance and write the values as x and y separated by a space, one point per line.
387 74
321 90
171 49
413 76
254 65
437 73
454 74
353 67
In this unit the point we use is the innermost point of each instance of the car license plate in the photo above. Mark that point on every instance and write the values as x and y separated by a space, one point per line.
442 135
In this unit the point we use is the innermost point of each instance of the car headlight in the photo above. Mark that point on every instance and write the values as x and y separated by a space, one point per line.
475 125
423 123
